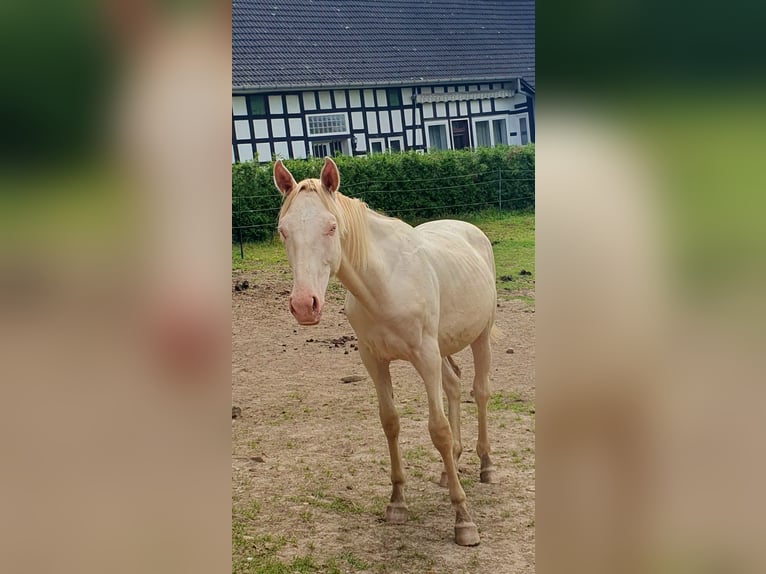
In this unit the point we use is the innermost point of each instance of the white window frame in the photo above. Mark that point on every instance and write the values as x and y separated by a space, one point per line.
381 141
490 119
529 129
476 133
400 139
345 144
507 130
347 131
445 123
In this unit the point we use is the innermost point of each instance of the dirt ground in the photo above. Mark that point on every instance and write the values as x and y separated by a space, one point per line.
309 458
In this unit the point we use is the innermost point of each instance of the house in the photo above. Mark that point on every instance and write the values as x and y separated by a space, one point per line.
318 77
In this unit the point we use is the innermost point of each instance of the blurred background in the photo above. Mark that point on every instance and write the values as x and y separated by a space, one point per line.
115 286
650 261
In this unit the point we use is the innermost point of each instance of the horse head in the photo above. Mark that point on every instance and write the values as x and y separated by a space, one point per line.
308 227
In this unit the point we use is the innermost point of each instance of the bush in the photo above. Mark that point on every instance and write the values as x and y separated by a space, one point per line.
408 185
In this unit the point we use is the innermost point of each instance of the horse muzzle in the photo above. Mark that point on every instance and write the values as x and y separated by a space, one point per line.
306 308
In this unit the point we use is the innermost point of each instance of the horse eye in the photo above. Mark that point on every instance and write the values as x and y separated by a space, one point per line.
332 229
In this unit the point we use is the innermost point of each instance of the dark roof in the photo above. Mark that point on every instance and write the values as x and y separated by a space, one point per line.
314 43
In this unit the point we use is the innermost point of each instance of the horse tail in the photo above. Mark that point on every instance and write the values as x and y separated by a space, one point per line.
453 365
495 333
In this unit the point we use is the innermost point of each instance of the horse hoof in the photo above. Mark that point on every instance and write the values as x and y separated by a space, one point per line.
396 513
466 534
444 481
488 476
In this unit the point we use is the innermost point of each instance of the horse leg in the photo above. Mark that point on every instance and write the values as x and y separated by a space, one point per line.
451 384
396 511
428 364
482 357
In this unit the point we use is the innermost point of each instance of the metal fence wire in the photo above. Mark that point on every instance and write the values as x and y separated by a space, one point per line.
370 188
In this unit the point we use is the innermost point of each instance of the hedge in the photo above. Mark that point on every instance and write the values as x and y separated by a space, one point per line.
409 185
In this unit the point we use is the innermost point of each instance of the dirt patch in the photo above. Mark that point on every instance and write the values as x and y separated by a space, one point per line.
310 461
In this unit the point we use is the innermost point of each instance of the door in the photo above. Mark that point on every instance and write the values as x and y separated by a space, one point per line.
460 137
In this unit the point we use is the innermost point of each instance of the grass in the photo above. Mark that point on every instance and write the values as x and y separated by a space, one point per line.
419 453
259 554
250 510
407 410
510 402
353 561
513 241
335 504
261 256
512 236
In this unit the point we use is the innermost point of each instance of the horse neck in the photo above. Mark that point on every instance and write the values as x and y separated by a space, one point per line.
370 286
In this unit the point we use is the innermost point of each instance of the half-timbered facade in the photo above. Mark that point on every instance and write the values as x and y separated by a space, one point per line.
298 97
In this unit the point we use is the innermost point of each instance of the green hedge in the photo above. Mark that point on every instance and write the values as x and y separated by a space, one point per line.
409 185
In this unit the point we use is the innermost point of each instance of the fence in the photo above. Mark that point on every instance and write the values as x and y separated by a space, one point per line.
512 190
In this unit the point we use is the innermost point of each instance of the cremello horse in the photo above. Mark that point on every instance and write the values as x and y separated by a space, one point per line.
417 294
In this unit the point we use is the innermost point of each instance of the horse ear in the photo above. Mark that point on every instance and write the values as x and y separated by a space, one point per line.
283 179
330 177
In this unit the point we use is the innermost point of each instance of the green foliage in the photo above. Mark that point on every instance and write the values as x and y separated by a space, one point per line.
407 185
510 402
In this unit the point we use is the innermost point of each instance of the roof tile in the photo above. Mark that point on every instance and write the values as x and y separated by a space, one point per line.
314 43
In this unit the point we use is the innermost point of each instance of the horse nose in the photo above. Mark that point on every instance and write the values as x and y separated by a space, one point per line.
306 308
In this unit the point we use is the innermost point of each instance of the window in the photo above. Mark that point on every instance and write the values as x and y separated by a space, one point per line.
492 131
258 105
500 132
378 145
483 138
437 137
524 131
394 97
322 149
327 124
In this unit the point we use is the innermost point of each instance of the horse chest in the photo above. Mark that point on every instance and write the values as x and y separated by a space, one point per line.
390 339
386 345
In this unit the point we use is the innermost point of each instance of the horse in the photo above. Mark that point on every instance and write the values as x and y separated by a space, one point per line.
418 294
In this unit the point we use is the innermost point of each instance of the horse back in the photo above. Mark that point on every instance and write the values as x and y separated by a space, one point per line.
449 238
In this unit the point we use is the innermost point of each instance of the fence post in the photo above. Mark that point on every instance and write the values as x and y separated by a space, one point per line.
241 249
500 189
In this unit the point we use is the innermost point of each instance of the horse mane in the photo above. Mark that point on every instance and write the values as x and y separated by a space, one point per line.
350 213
